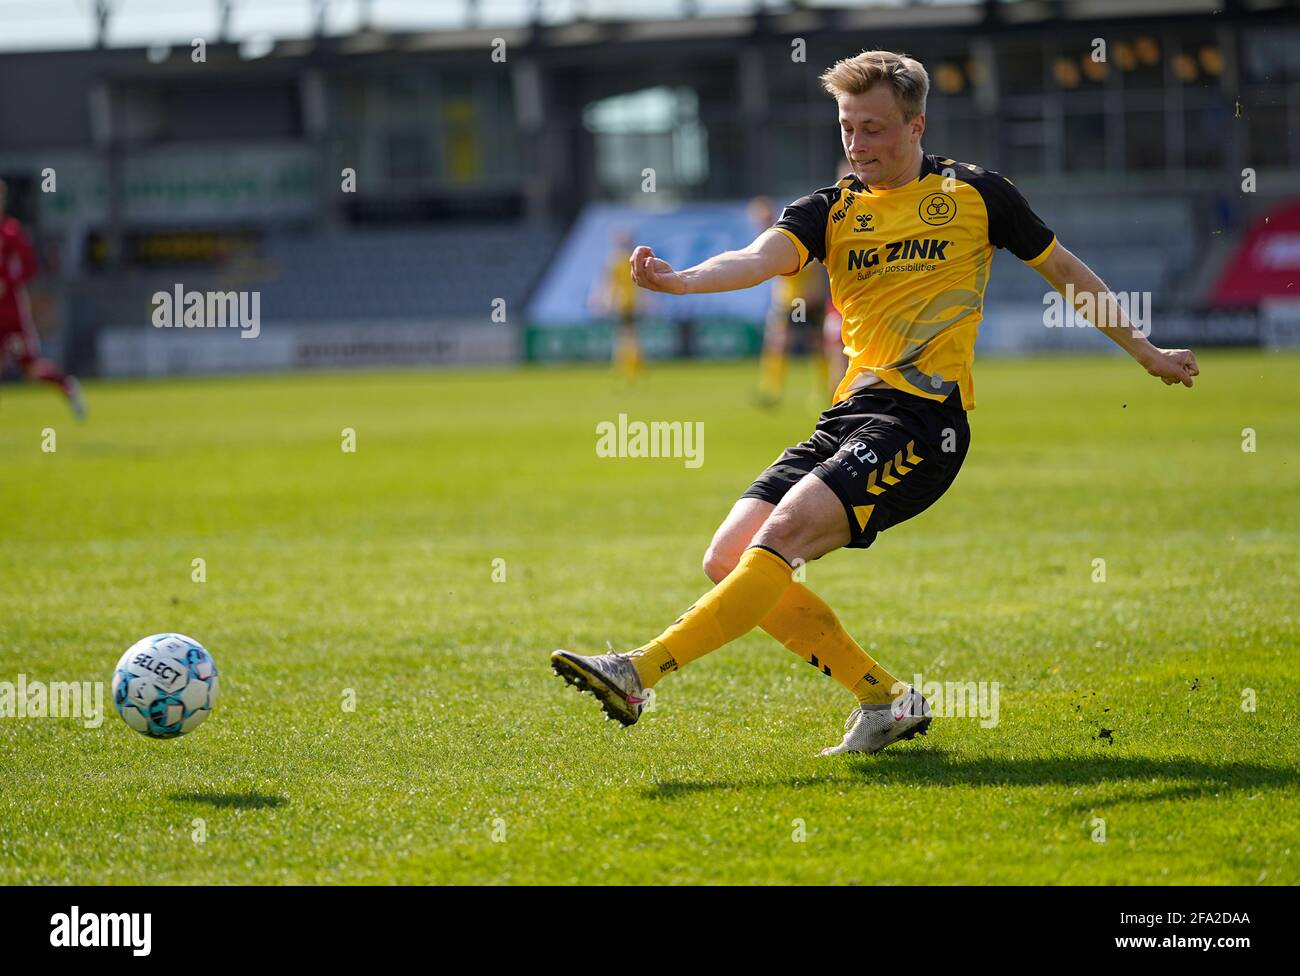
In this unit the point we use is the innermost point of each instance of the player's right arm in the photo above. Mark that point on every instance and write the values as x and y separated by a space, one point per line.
1014 226
772 253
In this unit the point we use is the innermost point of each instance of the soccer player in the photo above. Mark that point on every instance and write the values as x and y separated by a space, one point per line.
799 298
17 332
614 296
907 239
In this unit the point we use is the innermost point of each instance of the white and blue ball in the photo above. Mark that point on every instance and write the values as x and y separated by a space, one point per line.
165 685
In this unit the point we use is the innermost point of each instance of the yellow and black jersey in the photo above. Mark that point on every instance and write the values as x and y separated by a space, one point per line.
908 267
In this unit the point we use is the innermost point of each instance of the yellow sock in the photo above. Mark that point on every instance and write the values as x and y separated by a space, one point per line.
729 610
806 625
874 687
652 662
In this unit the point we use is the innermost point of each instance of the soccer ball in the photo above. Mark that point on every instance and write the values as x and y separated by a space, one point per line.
165 685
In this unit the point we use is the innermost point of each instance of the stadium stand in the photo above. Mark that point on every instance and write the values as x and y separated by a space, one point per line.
403 273
357 275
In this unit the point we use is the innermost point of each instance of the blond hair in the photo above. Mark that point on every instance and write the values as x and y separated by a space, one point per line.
905 75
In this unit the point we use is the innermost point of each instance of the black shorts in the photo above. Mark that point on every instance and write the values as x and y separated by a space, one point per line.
887 455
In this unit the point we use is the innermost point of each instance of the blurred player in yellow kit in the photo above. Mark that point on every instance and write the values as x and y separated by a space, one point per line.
800 300
615 297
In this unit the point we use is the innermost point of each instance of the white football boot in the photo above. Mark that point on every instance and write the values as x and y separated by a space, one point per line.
612 678
872 727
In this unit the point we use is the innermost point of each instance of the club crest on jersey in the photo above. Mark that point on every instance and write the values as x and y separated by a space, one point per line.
937 209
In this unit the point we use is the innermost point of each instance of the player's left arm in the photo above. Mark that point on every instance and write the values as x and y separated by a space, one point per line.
1072 277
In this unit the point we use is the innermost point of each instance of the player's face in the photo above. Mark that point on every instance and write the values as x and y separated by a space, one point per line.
879 145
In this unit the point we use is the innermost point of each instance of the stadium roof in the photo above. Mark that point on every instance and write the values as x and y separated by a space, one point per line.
79 24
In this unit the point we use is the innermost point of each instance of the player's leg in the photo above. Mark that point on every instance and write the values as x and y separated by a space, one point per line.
618 353
614 678
807 524
901 460
735 535
899 455
841 486
801 621
627 349
772 360
636 355
27 347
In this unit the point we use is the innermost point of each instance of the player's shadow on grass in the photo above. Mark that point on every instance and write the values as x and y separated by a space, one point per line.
238 801
1152 779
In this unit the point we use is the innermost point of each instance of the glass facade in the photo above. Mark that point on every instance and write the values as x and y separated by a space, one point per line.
1179 102
422 129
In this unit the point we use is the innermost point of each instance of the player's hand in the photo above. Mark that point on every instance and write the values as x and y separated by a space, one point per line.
655 274
1172 365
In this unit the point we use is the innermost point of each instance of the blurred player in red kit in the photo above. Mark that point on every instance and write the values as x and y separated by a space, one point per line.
17 331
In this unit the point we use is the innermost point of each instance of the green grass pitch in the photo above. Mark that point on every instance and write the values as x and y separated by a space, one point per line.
466 760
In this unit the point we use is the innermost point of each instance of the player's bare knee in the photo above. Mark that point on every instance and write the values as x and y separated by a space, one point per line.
803 534
718 563
781 534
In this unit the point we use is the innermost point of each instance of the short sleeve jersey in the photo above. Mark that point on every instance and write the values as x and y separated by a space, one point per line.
908 268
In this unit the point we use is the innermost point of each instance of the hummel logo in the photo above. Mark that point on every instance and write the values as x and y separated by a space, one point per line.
864 223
